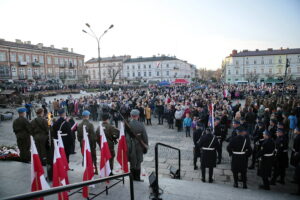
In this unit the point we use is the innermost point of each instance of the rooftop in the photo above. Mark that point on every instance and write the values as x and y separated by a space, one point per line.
267 52
150 59
109 59
38 47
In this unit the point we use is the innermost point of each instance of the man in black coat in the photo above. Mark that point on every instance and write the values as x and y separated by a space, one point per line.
160 112
220 133
266 154
196 137
281 157
239 149
257 140
209 146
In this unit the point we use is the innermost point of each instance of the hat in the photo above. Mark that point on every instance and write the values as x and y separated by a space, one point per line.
135 112
22 110
266 132
280 130
61 111
236 122
86 113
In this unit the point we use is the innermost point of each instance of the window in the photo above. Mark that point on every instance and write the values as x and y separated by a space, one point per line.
128 74
262 70
28 58
167 73
298 59
56 61
247 62
149 66
270 61
80 63
13 57
49 60
41 59
247 71
157 73
145 73
262 62
237 62
139 66
237 72
34 58
229 79
145 66
149 73
167 65
229 72
75 62
132 66
139 74
270 71
94 74
254 62
2 56
127 66
61 61
20 57
133 74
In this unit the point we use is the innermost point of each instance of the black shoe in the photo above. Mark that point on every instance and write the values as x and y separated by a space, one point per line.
211 181
219 162
235 185
203 180
245 186
281 182
195 167
273 182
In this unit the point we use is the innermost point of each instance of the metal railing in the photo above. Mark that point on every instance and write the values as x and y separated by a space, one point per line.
156 188
42 193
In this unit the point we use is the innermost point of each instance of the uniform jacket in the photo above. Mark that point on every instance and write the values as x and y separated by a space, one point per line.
209 157
22 127
90 130
111 133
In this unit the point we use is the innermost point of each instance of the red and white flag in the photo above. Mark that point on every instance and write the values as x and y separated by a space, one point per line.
60 175
122 150
74 127
105 155
211 116
38 181
62 152
87 162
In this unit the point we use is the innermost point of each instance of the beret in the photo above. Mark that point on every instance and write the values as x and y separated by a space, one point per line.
280 130
86 113
135 112
61 111
21 110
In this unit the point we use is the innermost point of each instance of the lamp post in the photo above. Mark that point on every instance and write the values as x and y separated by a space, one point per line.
93 35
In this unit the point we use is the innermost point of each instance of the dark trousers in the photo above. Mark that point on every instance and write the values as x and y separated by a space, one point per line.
179 124
220 150
278 171
210 172
266 182
254 153
149 122
171 126
116 123
188 131
236 177
160 119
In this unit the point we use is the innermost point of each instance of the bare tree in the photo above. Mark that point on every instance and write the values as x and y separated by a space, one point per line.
252 77
113 73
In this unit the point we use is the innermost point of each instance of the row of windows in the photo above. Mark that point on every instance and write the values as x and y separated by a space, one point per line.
40 59
145 66
262 71
280 61
139 74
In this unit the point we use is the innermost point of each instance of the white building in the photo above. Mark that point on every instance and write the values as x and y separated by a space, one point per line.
267 66
154 69
111 68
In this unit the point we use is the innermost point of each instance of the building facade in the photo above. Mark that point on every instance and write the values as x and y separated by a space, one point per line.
111 69
23 61
154 69
268 66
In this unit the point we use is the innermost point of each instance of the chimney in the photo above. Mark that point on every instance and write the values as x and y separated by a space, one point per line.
40 45
72 50
270 49
19 41
52 46
256 49
234 52
65 49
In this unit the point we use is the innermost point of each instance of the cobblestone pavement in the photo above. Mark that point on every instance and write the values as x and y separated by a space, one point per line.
167 158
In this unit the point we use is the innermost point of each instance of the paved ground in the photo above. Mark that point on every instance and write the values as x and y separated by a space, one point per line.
15 176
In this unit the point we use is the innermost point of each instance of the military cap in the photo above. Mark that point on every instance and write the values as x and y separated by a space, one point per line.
266 132
61 111
280 130
236 122
135 112
22 110
86 113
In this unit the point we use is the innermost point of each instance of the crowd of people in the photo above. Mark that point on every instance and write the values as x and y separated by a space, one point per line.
264 129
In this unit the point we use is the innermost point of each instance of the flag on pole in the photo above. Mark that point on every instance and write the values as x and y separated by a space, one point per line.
74 127
63 154
38 181
122 150
60 175
211 116
105 155
87 162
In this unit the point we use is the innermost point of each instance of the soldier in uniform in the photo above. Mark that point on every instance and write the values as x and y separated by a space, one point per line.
22 129
220 135
281 157
196 137
266 154
295 158
236 124
91 135
209 146
40 131
239 149
257 140
111 134
63 125
273 128
136 146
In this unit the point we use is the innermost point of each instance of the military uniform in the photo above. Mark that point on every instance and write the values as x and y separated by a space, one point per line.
266 154
239 149
91 135
135 149
22 129
257 140
209 146
220 135
40 131
196 137
111 134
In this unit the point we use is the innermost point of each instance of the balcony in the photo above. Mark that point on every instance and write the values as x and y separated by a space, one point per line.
23 63
36 64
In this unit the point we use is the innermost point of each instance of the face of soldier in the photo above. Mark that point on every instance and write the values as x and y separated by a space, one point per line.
266 136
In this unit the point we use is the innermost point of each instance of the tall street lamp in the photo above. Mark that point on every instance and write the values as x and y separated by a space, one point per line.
92 34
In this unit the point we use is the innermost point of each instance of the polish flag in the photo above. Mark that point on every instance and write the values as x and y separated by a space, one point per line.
63 154
122 150
60 175
74 127
38 181
211 116
105 155
87 162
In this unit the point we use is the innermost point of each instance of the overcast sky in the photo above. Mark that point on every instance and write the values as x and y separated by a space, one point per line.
201 32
